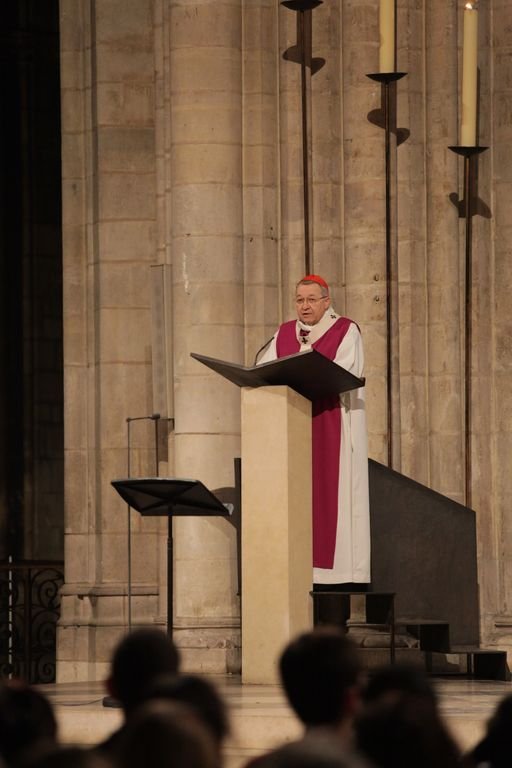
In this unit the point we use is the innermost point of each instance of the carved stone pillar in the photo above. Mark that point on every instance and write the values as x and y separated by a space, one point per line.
205 199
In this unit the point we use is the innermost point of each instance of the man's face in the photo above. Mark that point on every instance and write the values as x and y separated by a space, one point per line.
310 303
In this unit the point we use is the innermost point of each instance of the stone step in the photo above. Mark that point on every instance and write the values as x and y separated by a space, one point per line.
484 663
432 635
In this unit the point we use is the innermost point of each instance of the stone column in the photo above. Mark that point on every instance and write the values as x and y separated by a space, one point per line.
494 241
261 174
363 208
443 254
206 252
412 234
108 230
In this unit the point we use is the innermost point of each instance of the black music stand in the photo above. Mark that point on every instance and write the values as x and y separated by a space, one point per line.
167 497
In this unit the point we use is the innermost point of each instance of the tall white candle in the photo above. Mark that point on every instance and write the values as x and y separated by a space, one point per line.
387 36
469 76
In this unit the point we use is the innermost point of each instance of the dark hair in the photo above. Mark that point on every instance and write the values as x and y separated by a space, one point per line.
201 696
398 679
140 658
316 750
68 757
404 731
496 747
317 670
27 721
165 734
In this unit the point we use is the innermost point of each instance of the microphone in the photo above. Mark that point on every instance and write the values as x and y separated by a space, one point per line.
262 348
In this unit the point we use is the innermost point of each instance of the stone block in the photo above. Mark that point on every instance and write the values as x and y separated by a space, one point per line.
415 456
209 661
130 150
125 286
260 165
205 588
207 457
211 69
125 103
130 63
327 206
374 341
76 492
259 75
202 307
124 391
446 464
261 211
128 28
501 213
71 27
206 403
206 259
378 446
127 196
261 123
72 203
205 164
446 405
375 396
124 335
72 148
444 349
259 24
225 345
207 209
72 110
126 241
413 404
197 28
213 538
503 347
79 564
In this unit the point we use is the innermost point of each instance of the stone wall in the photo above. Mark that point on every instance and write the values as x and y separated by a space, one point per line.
182 148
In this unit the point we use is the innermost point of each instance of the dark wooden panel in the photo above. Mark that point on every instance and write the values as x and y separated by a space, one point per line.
424 549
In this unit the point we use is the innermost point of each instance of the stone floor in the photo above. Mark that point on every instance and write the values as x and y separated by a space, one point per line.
260 717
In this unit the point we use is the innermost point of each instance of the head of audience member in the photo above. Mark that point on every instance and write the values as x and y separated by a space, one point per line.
394 680
402 731
314 751
141 657
312 299
202 697
495 749
68 757
320 671
165 734
27 722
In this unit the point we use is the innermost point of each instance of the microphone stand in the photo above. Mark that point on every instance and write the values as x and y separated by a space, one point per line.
111 701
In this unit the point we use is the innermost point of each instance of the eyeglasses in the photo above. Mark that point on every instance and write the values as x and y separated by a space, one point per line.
301 301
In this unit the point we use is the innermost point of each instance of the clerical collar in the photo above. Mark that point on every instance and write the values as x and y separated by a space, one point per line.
308 334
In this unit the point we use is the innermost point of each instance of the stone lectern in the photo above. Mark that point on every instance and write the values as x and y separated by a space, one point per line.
277 566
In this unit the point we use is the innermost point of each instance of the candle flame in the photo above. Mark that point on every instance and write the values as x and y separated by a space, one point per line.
472 6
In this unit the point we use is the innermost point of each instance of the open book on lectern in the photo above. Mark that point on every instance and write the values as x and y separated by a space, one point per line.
310 373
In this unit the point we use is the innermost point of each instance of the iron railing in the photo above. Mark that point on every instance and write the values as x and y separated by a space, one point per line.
29 611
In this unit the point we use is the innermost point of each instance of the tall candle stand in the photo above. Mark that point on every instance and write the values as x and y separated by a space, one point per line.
301 7
470 155
386 79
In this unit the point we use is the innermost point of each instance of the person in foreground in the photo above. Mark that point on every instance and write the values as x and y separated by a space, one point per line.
140 658
320 673
400 724
341 520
